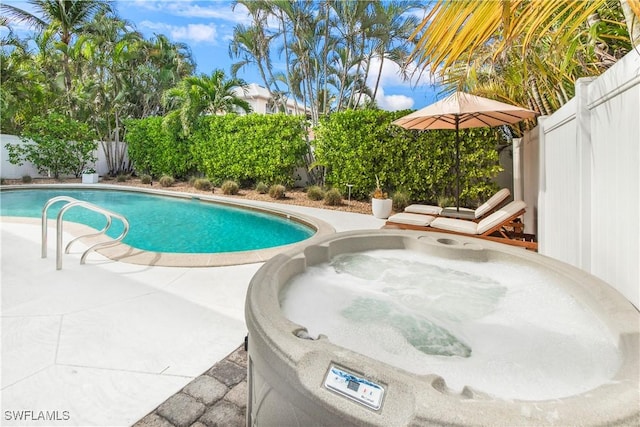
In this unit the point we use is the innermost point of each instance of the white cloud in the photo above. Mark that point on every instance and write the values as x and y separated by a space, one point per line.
391 76
193 33
393 102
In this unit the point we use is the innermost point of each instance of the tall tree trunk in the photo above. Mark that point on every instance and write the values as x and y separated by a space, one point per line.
325 58
375 90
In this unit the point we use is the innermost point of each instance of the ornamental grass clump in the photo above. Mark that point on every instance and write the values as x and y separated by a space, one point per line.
230 188
202 184
333 197
400 201
262 188
166 181
146 179
122 178
277 191
26 179
315 193
444 201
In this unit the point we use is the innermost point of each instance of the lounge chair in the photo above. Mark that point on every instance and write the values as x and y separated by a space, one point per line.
493 203
491 224
486 208
422 215
490 228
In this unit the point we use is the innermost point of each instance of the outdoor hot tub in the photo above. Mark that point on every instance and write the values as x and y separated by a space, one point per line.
396 328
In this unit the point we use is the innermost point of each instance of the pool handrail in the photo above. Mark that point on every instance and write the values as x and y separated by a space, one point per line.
71 202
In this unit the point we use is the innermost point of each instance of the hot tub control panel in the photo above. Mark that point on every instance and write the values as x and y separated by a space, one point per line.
354 387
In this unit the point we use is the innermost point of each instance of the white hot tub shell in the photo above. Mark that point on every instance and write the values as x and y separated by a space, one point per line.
288 372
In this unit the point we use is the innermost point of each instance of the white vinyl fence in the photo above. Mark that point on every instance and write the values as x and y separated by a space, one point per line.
588 208
9 171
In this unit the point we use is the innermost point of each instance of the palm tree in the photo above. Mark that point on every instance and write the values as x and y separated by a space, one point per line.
160 65
21 87
284 12
63 18
392 30
209 95
554 42
251 46
108 52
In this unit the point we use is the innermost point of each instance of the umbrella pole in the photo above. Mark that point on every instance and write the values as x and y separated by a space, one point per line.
457 164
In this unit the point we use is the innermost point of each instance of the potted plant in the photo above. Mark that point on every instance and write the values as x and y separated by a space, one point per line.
89 176
381 204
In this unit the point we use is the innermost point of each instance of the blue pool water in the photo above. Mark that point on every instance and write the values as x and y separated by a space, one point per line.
165 224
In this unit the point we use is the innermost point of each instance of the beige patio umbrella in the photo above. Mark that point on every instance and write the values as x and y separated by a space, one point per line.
461 110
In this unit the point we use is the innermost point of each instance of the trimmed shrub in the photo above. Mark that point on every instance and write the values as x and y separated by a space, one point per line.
277 191
315 193
230 188
355 146
146 179
262 188
55 144
333 197
202 184
158 148
249 148
400 201
26 179
166 181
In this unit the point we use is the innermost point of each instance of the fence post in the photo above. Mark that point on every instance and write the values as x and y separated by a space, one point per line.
585 160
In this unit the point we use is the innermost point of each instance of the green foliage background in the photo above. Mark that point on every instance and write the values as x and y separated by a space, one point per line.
250 148
355 146
158 148
55 143
352 147
246 149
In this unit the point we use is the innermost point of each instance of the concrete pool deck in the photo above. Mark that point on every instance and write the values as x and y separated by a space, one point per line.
105 343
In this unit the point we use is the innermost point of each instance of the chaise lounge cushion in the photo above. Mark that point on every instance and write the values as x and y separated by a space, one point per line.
469 227
501 215
454 224
464 213
423 209
493 201
411 219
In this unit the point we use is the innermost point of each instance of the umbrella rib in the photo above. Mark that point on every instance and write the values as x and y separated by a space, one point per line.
492 115
412 123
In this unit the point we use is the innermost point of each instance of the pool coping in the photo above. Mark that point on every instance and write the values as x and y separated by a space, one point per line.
128 254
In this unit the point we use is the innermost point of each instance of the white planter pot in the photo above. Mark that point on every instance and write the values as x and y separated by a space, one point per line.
89 178
381 208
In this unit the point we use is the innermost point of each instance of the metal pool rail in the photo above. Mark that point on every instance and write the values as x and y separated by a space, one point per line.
71 202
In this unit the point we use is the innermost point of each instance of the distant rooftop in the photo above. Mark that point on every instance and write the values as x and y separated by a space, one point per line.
263 103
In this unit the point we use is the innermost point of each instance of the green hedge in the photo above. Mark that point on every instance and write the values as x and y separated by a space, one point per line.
250 148
158 149
352 146
246 149
355 146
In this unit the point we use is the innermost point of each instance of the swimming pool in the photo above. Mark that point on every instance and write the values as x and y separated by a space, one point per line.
160 223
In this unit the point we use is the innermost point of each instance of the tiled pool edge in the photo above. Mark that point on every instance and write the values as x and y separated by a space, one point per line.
127 254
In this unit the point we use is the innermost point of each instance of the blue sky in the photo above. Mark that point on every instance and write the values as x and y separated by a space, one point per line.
207 26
